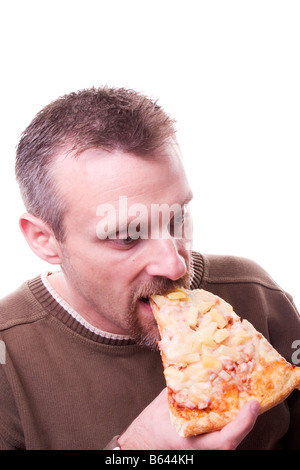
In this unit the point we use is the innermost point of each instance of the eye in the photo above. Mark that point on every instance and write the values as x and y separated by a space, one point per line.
175 225
123 240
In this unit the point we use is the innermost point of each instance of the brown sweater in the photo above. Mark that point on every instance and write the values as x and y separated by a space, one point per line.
65 387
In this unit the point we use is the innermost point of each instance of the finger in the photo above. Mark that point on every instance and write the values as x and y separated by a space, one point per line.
233 433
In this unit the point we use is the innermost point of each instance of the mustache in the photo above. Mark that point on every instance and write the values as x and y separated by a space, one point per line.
161 286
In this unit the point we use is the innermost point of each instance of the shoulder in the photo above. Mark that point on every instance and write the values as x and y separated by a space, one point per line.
234 269
19 307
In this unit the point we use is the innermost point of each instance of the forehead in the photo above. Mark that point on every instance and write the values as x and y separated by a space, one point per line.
98 177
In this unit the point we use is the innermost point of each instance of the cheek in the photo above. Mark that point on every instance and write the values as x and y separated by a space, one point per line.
114 276
98 263
85 264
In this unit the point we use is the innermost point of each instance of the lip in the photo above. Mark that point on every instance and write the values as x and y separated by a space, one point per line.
145 307
146 317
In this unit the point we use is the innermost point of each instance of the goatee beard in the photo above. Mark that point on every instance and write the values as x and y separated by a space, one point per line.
145 333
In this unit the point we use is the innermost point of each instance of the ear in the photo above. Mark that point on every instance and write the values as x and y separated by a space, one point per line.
40 238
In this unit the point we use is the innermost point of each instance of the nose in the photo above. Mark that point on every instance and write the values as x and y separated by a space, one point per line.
165 260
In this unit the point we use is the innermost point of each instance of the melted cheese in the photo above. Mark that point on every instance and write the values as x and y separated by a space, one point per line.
206 347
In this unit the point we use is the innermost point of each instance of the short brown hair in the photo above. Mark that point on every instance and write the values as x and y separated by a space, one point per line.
107 118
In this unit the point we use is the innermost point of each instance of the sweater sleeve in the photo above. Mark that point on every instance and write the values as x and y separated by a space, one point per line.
289 322
11 435
292 438
113 444
5 445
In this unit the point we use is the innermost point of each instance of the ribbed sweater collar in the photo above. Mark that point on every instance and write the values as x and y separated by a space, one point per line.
53 307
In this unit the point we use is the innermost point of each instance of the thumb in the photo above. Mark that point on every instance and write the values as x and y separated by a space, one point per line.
238 429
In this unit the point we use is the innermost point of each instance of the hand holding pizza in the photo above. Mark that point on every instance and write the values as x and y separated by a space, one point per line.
152 430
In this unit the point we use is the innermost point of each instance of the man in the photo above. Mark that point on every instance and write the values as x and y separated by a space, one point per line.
107 199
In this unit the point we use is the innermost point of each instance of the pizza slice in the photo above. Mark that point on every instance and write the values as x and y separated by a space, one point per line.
214 362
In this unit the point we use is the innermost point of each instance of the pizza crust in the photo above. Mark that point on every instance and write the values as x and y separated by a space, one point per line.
275 384
193 422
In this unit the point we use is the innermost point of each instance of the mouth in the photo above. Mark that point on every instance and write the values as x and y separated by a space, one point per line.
145 305
145 300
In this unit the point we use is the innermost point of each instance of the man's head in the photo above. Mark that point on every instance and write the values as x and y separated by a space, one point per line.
106 118
107 279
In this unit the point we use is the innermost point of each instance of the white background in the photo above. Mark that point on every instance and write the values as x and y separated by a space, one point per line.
228 71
